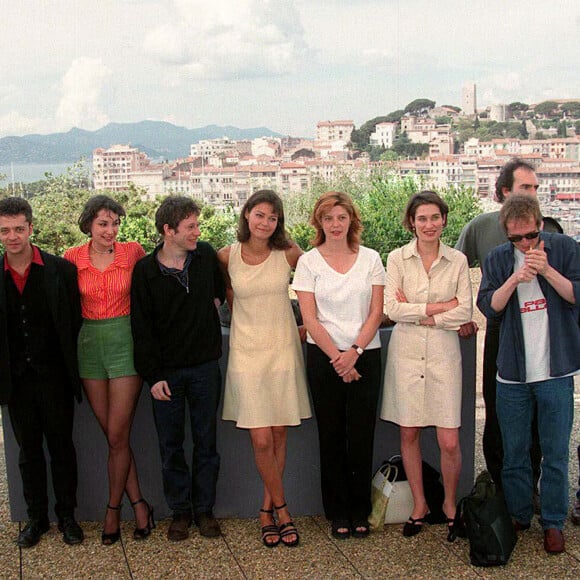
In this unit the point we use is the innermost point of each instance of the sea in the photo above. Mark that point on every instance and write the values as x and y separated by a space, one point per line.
30 172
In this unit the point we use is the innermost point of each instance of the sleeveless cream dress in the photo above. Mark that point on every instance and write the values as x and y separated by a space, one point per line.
266 380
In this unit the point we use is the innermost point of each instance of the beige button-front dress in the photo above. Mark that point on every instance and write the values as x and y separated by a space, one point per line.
423 374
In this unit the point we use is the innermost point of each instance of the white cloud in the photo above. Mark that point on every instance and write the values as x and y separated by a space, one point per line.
13 123
229 39
82 88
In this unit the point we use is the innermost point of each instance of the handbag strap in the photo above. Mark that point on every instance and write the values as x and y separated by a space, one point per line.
389 471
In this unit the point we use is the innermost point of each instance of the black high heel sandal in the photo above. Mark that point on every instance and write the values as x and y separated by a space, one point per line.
113 537
413 526
288 529
270 531
144 533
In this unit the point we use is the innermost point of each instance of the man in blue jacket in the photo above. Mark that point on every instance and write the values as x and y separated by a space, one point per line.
532 286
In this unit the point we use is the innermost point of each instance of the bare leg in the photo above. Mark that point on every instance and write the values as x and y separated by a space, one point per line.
270 455
113 402
448 440
412 460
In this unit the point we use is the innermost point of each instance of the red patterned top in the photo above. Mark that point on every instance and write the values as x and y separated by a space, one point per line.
106 294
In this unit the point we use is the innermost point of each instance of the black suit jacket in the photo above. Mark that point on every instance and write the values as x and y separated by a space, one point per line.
62 294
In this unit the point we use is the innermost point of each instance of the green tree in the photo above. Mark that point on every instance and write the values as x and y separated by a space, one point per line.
547 108
571 109
302 233
562 129
524 130
419 107
218 227
517 109
404 147
381 196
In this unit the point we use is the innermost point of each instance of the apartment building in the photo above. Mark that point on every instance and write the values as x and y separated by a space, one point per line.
334 130
113 167
384 135
212 147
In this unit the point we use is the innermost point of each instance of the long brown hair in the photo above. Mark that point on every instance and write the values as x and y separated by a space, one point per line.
279 239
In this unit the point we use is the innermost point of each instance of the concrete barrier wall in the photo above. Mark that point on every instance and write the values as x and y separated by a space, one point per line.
239 489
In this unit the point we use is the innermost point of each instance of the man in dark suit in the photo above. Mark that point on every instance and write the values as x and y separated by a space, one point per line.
40 317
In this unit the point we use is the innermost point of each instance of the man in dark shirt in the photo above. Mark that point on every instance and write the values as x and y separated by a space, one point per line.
178 341
40 316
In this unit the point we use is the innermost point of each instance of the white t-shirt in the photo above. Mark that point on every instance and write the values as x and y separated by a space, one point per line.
342 300
535 326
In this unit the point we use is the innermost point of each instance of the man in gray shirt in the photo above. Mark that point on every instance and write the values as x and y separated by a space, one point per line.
481 235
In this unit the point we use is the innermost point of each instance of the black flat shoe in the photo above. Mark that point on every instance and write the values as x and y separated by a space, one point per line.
72 533
360 529
413 526
32 532
337 526
143 533
113 537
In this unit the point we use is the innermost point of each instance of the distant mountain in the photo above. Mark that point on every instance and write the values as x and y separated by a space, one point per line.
156 138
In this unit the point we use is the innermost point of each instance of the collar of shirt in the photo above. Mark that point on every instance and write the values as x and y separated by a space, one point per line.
121 259
410 250
20 279
36 259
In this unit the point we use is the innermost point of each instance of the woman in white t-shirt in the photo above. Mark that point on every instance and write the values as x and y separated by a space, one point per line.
340 286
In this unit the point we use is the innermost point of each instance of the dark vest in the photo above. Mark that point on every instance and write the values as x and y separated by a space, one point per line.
31 332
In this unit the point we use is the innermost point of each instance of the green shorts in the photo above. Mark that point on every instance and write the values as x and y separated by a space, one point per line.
105 349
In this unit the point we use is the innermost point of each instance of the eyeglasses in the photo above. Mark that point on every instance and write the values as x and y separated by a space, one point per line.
528 236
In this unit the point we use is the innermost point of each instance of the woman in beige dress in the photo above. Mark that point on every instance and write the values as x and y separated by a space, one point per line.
428 295
266 382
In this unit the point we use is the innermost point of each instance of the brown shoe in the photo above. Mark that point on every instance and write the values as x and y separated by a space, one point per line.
179 527
208 525
520 527
575 515
554 541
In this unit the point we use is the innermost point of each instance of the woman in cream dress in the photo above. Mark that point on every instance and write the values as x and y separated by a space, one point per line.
266 381
428 295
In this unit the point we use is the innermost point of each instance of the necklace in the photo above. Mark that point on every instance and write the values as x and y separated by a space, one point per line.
109 251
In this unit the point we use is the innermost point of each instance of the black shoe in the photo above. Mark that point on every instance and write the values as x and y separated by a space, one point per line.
72 533
108 539
340 529
142 533
208 525
32 532
360 529
413 526
287 529
520 527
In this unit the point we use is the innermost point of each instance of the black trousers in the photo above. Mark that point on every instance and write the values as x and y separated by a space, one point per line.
492 442
346 416
42 407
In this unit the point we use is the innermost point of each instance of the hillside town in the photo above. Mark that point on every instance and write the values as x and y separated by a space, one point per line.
225 172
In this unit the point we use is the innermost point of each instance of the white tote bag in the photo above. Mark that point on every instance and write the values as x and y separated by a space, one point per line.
392 500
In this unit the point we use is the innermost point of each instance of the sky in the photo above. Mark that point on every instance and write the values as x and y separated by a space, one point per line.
282 64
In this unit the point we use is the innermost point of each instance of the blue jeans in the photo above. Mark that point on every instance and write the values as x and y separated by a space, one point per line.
515 409
199 387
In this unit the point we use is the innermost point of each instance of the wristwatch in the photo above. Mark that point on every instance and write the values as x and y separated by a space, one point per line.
358 349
